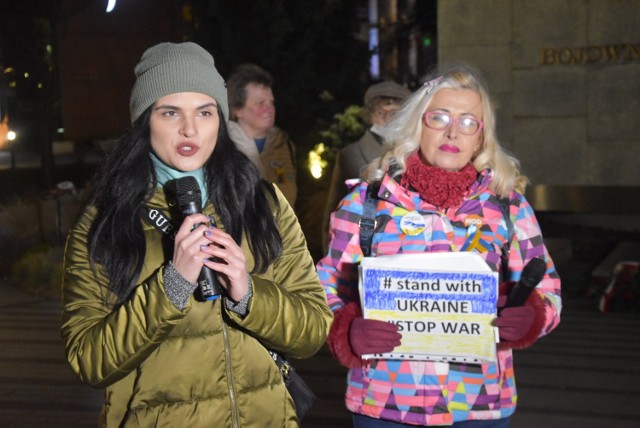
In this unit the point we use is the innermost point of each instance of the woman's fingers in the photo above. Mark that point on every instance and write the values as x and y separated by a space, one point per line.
189 223
229 261
188 257
197 244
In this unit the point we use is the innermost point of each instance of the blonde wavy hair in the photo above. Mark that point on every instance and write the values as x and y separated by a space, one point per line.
403 132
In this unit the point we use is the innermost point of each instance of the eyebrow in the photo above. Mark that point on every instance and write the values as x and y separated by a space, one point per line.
170 107
449 112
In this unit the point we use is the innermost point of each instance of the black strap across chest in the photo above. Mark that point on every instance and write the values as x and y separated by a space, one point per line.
367 222
159 220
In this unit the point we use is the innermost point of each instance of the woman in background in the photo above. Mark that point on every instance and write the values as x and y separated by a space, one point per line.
252 127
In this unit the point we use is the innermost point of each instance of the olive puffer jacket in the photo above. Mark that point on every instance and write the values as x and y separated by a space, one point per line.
201 366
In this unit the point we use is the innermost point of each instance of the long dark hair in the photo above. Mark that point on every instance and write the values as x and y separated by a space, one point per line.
127 180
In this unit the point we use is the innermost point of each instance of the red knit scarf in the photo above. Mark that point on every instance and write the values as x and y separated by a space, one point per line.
439 187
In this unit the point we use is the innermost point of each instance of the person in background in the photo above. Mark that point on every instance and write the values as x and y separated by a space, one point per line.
444 166
381 101
252 128
130 321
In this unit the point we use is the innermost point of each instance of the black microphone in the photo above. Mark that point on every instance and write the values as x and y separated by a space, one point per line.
532 274
189 201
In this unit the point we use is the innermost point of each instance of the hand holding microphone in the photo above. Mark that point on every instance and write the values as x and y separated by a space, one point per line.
515 318
531 276
222 261
514 323
189 202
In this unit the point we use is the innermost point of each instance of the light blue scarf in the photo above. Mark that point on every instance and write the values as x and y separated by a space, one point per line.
165 173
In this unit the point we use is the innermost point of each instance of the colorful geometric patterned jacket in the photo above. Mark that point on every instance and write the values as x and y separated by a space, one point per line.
424 392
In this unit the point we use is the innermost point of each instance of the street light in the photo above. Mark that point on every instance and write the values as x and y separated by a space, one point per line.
111 5
11 136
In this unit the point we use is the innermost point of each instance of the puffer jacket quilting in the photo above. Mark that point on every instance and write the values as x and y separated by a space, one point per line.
162 366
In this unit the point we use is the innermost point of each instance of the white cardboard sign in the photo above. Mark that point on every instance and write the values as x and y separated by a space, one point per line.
443 304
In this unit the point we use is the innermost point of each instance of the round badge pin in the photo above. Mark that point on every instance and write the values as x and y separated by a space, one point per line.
412 223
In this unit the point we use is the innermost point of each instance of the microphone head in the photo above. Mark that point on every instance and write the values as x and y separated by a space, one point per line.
188 194
533 272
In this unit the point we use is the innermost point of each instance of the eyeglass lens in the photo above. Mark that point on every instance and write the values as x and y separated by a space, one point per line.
439 120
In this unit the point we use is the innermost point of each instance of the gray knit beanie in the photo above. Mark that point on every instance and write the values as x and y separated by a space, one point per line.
168 68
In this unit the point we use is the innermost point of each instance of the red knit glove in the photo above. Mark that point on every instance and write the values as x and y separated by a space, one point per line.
519 327
373 336
513 323
340 340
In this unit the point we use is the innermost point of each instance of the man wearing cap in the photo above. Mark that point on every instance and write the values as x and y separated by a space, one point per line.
381 101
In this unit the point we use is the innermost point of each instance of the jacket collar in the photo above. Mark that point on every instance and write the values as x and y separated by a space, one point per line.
158 199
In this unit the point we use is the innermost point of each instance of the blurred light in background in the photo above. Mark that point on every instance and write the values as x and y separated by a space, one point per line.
316 163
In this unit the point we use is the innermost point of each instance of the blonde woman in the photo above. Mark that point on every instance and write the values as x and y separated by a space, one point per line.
444 167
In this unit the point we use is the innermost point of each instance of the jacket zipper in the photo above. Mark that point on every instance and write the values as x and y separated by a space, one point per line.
227 363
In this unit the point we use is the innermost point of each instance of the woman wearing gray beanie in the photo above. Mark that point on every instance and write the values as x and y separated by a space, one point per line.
175 199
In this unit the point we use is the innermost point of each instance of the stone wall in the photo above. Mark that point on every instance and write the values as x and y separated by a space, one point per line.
565 77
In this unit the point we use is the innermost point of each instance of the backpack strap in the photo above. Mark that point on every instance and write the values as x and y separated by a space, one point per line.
504 203
367 222
504 207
